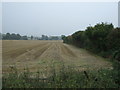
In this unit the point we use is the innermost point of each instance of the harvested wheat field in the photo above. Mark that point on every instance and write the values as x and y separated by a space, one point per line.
42 55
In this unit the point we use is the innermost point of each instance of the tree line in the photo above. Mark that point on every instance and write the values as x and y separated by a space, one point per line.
102 39
14 36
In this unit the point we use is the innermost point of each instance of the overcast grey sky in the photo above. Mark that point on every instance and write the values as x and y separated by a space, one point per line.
37 18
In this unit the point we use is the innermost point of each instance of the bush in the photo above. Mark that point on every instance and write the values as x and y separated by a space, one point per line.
102 39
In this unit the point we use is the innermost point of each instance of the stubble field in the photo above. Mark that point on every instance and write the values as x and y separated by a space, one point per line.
42 55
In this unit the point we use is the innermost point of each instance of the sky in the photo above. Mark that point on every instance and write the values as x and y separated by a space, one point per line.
55 18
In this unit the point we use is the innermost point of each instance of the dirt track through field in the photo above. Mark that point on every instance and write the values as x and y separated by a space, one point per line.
42 54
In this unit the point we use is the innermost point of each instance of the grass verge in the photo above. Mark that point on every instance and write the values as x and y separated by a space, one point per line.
66 77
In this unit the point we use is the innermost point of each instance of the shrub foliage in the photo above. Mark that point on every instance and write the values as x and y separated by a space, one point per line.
103 39
65 78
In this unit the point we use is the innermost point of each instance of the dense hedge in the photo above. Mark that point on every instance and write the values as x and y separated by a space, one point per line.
102 39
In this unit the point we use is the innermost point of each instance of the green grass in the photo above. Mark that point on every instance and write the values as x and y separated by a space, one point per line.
66 77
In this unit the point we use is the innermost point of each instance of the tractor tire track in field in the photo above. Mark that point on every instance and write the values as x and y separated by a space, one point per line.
33 54
17 52
42 54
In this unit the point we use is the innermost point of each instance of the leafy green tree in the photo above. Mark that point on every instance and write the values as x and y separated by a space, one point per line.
18 37
44 37
113 39
77 38
6 36
24 38
102 39
13 36
31 37
98 35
